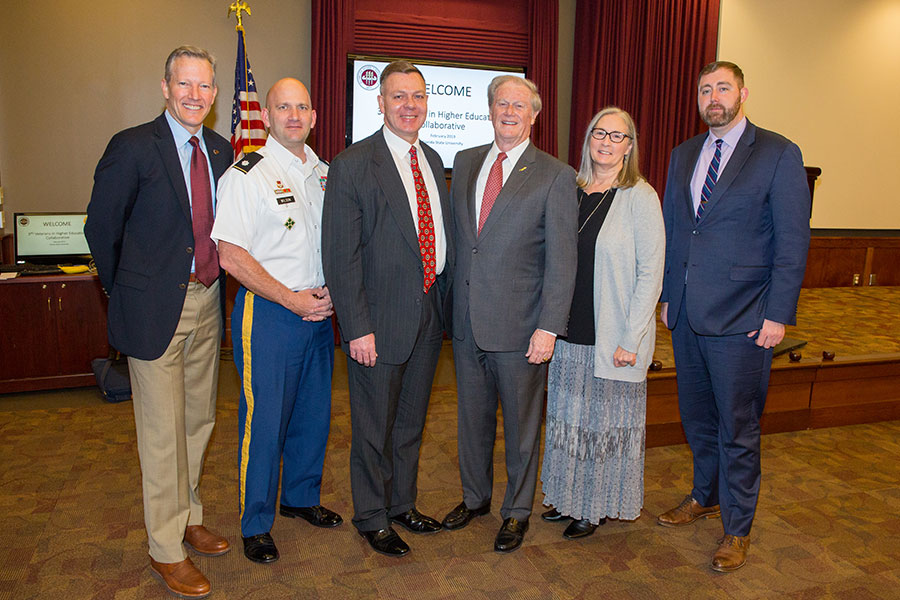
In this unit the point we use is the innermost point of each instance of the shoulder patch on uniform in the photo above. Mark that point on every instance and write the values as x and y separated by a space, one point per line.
247 162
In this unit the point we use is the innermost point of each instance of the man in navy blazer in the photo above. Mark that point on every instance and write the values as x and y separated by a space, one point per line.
736 211
148 228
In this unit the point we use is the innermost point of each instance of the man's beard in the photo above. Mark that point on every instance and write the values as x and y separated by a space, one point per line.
720 118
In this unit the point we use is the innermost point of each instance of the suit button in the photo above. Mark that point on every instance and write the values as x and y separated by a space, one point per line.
418 301
467 282
695 232
182 285
474 250
189 250
684 265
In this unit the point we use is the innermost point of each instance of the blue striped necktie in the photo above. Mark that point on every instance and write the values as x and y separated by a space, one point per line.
712 174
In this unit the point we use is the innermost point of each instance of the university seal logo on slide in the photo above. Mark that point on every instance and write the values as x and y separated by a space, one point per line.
367 77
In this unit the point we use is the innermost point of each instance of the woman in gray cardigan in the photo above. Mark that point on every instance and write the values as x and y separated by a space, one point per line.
597 387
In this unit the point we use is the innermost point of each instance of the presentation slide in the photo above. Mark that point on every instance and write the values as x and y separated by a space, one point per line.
45 235
457 105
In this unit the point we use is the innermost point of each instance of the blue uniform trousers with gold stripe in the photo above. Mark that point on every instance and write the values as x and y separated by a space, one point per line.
285 365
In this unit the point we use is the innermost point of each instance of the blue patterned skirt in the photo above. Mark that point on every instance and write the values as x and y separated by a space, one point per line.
594 449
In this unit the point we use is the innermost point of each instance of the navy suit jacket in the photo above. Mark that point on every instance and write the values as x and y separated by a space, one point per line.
370 248
140 234
743 262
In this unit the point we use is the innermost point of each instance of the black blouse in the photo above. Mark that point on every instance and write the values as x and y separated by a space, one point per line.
592 211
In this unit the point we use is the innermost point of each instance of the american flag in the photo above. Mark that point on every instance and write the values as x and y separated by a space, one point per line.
247 130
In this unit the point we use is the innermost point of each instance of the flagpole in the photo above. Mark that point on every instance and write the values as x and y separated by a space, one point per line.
247 129
236 8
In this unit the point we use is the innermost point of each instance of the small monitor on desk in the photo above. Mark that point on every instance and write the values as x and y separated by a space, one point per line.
46 238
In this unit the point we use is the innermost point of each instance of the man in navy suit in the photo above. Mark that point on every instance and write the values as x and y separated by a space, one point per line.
148 227
736 211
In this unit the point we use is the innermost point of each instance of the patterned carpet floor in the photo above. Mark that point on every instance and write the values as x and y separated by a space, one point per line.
71 522
849 321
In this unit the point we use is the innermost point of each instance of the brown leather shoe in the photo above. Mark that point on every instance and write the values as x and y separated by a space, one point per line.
732 553
204 541
182 579
686 513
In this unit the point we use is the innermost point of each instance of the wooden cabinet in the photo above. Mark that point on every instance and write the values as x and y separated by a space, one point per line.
51 327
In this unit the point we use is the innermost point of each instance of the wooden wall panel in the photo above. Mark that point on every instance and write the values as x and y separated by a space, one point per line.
855 391
833 261
886 266
662 408
833 267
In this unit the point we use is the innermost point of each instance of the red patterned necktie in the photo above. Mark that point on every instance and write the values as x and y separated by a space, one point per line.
491 189
426 223
206 260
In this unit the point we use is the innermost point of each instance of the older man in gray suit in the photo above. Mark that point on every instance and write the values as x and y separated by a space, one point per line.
386 252
515 215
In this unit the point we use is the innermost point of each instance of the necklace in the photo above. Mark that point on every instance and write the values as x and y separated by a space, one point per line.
605 194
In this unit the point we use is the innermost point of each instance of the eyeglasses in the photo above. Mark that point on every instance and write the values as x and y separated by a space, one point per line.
616 137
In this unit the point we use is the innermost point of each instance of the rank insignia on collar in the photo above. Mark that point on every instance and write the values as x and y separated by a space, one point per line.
289 223
322 181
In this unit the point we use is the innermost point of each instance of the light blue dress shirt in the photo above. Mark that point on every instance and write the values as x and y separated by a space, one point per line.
185 150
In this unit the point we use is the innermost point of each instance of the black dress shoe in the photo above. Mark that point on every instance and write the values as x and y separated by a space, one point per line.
580 528
554 515
260 548
511 534
460 516
416 522
386 541
317 515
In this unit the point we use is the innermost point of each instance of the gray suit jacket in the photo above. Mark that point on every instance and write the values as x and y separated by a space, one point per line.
370 248
519 274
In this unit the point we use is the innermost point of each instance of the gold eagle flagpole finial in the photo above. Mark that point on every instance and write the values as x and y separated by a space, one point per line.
236 8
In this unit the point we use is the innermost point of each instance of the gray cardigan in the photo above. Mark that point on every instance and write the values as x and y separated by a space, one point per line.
628 271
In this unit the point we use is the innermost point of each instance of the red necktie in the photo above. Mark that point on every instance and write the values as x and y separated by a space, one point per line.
491 189
206 260
426 223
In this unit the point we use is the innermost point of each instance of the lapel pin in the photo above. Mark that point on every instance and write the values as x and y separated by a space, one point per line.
522 169
215 151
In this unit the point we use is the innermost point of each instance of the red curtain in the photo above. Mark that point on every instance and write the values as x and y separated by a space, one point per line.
332 38
642 56
494 32
542 67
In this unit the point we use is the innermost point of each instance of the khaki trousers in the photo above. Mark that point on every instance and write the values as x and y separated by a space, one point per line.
174 413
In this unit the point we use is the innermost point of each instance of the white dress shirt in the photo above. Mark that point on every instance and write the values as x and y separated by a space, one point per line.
274 212
400 151
512 157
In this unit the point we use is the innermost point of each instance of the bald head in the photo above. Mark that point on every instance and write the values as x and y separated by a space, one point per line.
289 115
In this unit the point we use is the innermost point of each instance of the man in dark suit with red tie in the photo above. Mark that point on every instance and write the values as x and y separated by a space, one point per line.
736 212
387 253
148 227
